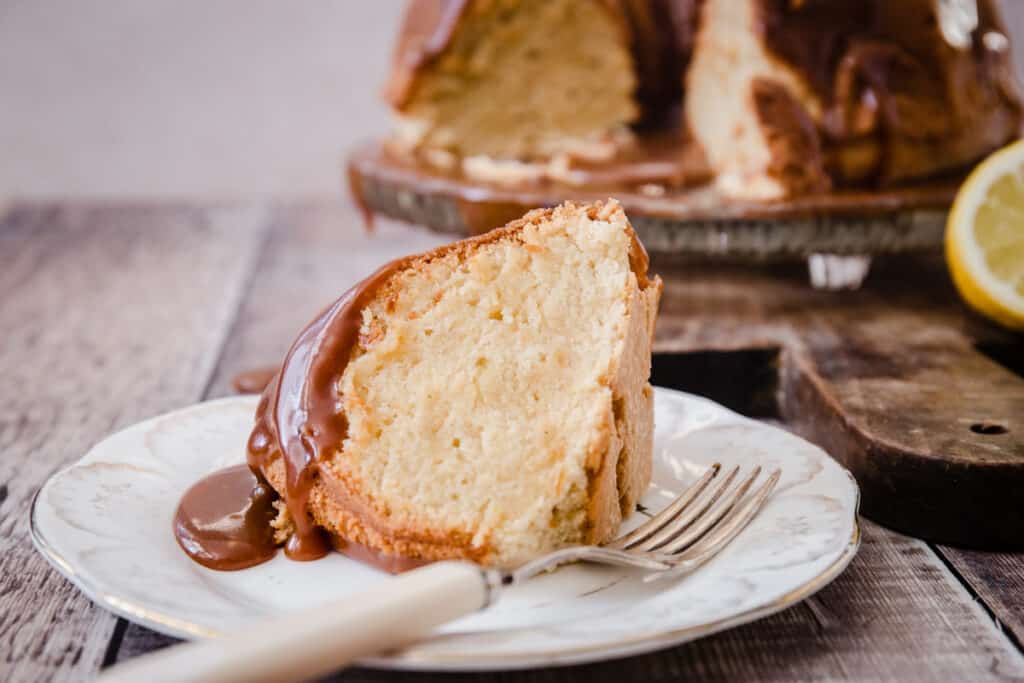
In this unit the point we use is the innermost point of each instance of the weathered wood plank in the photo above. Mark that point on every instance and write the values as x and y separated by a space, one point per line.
888 379
109 315
998 580
898 613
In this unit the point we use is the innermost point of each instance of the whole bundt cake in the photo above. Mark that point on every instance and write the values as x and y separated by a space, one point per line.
783 97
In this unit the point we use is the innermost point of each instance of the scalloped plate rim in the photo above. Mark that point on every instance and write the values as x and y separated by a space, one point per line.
417 661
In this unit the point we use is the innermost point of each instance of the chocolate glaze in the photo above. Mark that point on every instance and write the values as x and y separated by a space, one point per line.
426 30
223 521
661 34
816 37
355 187
783 118
253 381
811 36
300 418
886 76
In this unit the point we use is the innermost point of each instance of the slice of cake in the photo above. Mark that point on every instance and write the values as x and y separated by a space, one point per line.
488 400
512 79
790 97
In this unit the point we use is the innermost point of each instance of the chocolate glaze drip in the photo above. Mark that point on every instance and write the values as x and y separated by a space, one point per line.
253 381
358 194
300 417
223 521
884 73
427 29
813 35
661 34
782 117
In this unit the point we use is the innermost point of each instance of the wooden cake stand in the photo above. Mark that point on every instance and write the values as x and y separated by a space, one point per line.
837 233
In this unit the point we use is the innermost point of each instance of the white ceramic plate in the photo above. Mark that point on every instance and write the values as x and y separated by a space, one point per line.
105 523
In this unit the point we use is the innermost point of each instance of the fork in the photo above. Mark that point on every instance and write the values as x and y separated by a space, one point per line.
308 643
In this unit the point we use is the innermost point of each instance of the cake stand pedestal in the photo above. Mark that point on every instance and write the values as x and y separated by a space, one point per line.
836 234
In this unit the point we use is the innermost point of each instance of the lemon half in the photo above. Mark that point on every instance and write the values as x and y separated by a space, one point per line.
985 237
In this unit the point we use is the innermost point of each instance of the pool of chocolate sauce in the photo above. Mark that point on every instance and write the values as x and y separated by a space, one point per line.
223 521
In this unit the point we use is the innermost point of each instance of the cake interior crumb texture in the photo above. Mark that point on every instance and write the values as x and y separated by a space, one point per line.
498 401
522 80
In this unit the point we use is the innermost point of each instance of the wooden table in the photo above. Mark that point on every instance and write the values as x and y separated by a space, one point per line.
114 313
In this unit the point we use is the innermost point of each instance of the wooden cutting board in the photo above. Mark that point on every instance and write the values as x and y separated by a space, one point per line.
919 398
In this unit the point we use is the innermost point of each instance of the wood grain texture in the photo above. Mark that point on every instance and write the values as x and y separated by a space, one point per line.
109 315
887 379
997 579
897 613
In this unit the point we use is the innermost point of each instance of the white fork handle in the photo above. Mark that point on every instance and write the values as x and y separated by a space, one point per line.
312 642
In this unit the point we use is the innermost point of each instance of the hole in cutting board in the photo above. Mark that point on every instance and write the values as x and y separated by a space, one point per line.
988 428
744 380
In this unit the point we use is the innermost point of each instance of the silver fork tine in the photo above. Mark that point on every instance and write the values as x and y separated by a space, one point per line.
590 553
688 535
689 516
674 508
726 520
722 535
